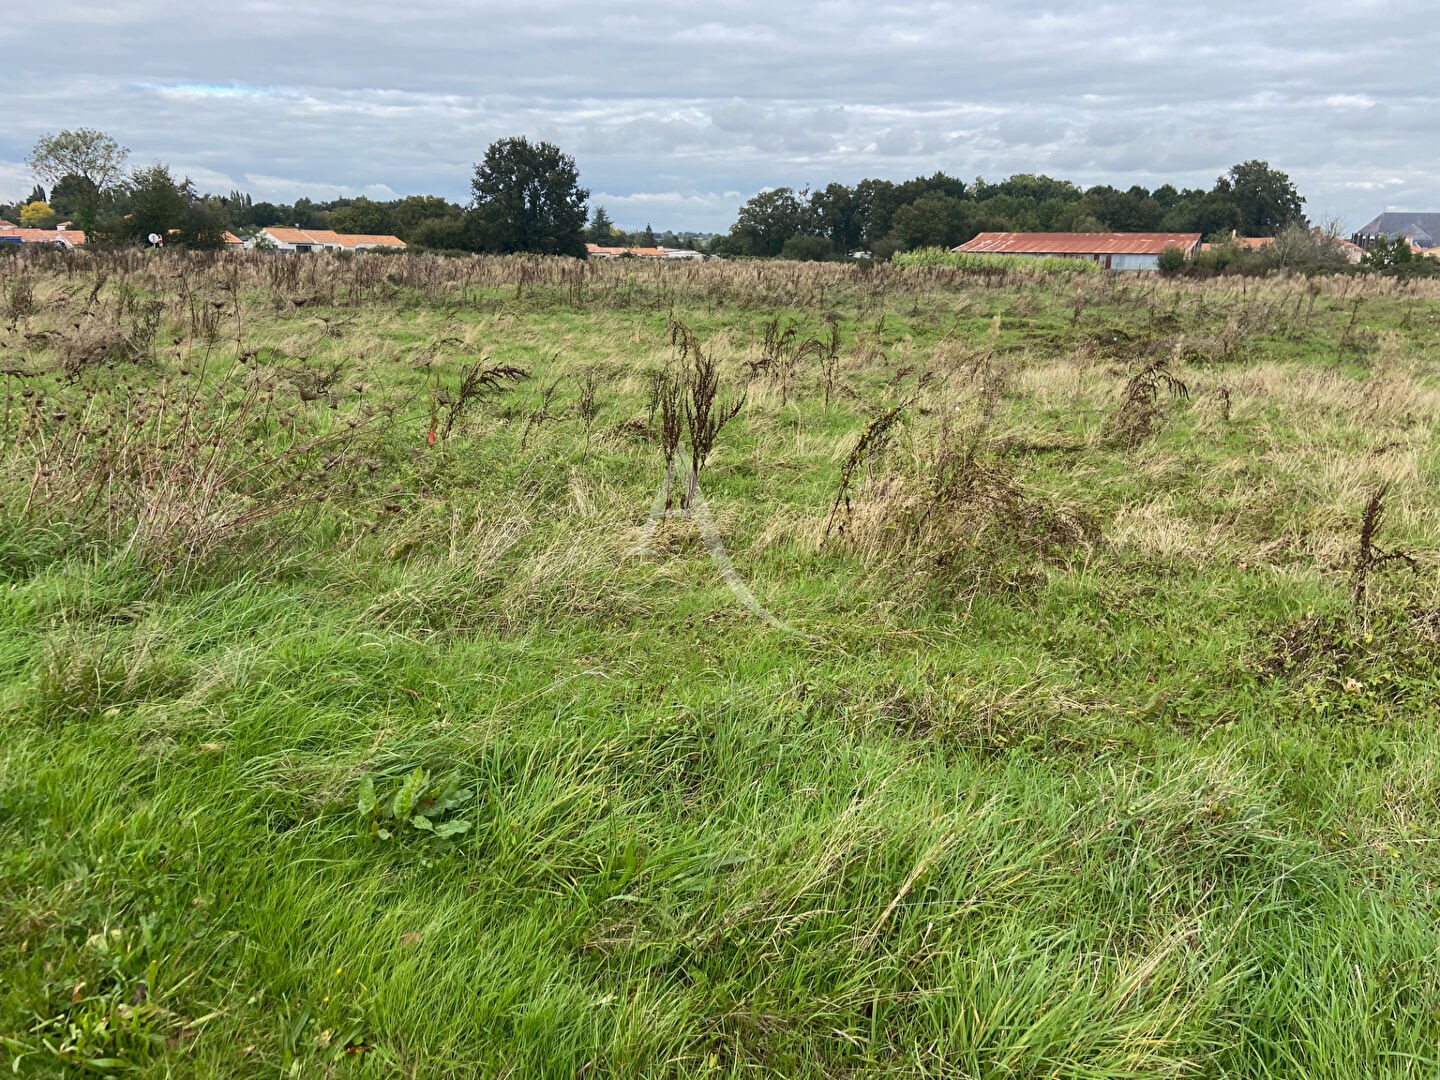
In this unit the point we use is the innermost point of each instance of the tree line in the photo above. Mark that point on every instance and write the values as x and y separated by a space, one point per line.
526 197
92 188
882 217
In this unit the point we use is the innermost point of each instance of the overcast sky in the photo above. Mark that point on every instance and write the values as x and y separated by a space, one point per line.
676 114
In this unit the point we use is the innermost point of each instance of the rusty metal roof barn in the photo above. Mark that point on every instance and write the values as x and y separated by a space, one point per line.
1011 243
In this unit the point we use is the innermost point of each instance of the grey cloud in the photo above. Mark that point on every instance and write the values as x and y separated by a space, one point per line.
320 96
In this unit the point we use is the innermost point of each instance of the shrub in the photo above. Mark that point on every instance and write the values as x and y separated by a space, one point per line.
956 503
807 249
1172 260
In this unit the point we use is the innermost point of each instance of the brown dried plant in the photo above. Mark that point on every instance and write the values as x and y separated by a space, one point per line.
705 415
477 382
1142 406
873 441
1370 556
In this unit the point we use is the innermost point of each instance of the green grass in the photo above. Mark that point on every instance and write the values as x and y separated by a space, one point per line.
972 261
1149 798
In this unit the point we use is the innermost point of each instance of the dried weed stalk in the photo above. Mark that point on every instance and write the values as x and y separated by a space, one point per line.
1142 407
589 406
874 440
1370 555
477 382
705 415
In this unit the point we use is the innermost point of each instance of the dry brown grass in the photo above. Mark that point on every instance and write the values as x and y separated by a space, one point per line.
327 335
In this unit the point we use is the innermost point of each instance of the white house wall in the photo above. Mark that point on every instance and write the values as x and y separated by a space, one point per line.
1134 262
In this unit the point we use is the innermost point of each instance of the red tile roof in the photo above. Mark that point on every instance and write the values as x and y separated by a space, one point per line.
326 236
615 252
72 237
1010 243
351 240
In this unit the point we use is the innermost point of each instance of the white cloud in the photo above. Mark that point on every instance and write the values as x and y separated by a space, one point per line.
16 179
287 189
1350 101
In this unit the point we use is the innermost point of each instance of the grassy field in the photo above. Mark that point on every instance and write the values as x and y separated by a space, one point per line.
1041 682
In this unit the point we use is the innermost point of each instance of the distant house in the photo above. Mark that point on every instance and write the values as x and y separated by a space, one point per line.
321 240
1423 230
597 251
62 238
1113 251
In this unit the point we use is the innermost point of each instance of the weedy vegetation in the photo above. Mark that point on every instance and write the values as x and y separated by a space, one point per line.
353 720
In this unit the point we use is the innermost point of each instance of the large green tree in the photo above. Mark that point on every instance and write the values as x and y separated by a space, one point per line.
769 219
74 196
1030 186
933 220
1212 214
83 152
839 215
528 198
363 216
1123 211
875 203
304 214
1265 197
90 161
157 204
413 211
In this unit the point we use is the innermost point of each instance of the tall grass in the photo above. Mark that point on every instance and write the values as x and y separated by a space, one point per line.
967 260
1091 734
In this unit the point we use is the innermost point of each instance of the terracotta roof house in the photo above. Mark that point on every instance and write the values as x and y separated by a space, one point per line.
1423 230
1352 251
65 238
1114 251
323 240
597 251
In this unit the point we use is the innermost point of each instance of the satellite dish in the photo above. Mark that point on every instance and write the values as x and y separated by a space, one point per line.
155 239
